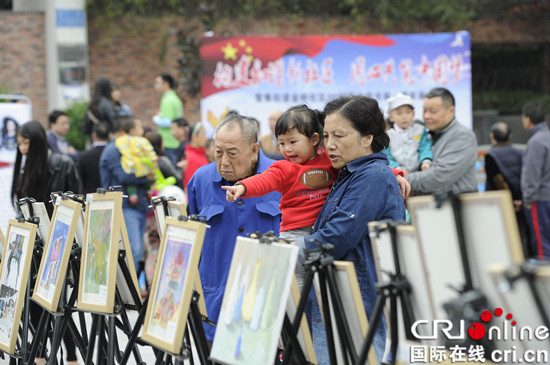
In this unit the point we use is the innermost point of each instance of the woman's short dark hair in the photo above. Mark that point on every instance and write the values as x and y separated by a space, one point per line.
300 117
365 116
166 77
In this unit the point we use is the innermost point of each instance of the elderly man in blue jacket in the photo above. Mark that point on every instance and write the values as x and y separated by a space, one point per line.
237 156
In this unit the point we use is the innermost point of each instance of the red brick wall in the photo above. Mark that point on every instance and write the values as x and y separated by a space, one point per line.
131 54
23 59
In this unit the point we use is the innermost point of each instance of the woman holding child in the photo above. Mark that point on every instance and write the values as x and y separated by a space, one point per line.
366 190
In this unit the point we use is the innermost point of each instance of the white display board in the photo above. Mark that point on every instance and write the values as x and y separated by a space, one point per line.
12 116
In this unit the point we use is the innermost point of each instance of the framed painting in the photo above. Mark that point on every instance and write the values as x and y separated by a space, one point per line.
304 334
172 288
175 209
254 303
99 261
57 249
14 274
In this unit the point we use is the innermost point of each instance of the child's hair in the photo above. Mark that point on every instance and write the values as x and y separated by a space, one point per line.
156 142
125 123
305 120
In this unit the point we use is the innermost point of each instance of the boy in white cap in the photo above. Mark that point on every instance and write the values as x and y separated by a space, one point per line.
410 146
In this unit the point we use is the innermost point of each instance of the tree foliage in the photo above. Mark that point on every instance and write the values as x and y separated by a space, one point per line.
446 11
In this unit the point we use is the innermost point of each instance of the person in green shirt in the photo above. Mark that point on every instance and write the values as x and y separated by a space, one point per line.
171 108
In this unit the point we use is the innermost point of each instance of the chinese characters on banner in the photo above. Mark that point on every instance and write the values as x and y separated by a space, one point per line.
256 75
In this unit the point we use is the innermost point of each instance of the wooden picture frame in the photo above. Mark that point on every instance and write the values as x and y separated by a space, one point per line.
99 262
79 234
14 276
170 296
175 209
354 309
123 286
412 267
254 302
2 242
55 259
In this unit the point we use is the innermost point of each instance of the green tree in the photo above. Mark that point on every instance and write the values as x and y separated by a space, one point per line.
75 136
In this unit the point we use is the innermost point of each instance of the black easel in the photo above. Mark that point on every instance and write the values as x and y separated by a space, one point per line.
398 287
62 318
21 350
194 322
471 301
320 262
103 327
288 334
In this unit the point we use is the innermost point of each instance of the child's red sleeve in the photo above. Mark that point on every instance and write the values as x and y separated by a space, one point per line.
397 172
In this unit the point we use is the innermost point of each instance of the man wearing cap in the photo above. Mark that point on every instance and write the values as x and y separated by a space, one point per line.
454 149
410 147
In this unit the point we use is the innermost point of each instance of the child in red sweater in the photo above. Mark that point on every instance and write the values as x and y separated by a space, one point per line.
304 177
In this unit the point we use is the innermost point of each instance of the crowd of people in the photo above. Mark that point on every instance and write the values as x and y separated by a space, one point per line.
364 166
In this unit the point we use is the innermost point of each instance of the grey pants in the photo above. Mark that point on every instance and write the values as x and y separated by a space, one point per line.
291 236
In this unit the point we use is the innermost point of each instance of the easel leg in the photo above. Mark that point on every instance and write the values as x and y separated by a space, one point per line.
135 332
346 341
373 327
304 296
112 341
160 358
56 341
328 321
79 340
394 327
292 343
198 331
38 337
91 342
